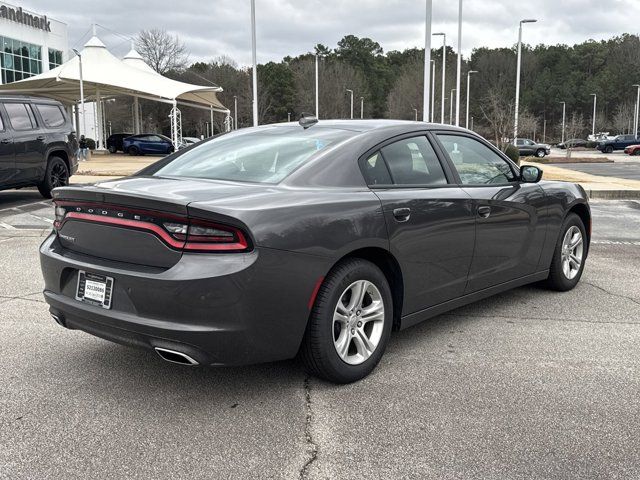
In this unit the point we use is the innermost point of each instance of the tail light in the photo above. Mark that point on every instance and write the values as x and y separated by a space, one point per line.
188 234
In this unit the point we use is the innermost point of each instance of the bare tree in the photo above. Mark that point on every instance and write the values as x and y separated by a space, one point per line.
406 93
527 123
623 118
161 50
498 112
573 128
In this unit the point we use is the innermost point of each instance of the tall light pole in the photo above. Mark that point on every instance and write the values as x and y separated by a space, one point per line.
459 68
317 105
451 107
636 113
255 65
433 87
515 123
235 112
468 94
444 72
564 111
593 125
351 92
84 117
427 62
361 108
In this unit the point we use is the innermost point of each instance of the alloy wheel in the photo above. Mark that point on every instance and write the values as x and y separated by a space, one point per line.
572 252
59 176
358 322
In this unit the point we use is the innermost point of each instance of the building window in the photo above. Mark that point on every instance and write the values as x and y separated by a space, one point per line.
55 58
19 60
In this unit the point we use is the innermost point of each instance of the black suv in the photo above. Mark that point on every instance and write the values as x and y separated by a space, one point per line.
618 143
38 144
114 141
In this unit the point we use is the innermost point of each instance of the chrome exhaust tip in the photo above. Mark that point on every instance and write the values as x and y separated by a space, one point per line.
58 320
175 357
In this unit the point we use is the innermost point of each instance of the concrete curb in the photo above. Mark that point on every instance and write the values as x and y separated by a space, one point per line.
613 194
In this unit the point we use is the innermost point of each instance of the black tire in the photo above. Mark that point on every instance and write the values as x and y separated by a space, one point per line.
318 352
540 153
112 149
557 279
133 151
608 149
56 175
636 152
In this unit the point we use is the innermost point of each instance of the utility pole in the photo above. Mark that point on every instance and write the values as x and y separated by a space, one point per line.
317 106
637 111
361 108
255 63
235 112
593 125
427 62
451 107
459 67
433 87
351 92
564 108
444 73
469 73
519 61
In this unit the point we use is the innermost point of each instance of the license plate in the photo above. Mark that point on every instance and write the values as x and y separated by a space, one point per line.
94 289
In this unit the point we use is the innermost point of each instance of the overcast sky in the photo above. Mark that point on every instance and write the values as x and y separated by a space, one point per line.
287 27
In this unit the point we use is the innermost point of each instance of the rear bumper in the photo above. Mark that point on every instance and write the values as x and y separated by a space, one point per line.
220 309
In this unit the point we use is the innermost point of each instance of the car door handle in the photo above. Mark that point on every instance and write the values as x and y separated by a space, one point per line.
40 137
402 214
484 211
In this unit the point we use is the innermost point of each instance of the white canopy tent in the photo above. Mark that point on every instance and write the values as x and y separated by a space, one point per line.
104 76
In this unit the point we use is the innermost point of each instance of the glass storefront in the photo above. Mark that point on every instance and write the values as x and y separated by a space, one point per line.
55 58
19 59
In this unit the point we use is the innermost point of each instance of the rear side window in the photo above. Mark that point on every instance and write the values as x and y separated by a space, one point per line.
413 161
375 171
51 115
20 116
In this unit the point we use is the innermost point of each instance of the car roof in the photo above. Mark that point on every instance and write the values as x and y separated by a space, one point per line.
28 98
369 125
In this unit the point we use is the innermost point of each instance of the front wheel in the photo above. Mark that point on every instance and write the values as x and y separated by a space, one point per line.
540 153
112 149
133 151
56 175
350 323
569 256
608 149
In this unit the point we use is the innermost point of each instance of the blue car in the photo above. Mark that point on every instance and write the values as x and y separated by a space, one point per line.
151 143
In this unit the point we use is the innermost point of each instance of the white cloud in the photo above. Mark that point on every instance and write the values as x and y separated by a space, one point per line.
291 27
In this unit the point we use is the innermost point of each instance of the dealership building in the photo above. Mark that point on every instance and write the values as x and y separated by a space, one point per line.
31 42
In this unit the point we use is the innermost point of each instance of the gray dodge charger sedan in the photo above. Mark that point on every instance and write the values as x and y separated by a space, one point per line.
315 239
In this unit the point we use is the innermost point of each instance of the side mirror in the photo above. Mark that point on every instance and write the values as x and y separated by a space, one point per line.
530 174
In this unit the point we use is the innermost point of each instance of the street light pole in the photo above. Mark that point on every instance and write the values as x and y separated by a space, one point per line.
593 126
459 68
317 106
433 87
235 112
451 107
564 108
361 108
636 113
351 92
427 62
469 94
84 116
255 65
515 123
444 73
416 112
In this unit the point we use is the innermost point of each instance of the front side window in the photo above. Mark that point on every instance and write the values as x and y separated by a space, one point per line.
476 163
19 116
413 161
51 115
264 156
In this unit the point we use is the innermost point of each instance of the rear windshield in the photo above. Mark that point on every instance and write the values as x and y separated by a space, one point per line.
262 156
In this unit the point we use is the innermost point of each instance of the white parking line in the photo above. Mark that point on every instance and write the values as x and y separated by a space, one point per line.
615 242
7 226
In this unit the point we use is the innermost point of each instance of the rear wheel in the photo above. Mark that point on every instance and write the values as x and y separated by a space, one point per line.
608 149
56 175
350 323
112 149
133 151
570 254
540 153
636 152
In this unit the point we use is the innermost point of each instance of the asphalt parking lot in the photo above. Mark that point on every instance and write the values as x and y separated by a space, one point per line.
528 384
